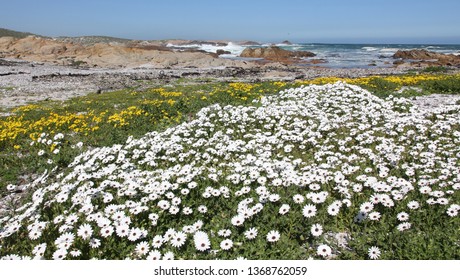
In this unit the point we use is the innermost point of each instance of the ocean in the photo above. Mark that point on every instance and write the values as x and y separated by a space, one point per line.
336 55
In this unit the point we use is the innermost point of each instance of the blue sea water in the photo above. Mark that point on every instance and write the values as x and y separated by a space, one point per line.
337 55
365 55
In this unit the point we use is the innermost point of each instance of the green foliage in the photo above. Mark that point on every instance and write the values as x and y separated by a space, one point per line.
435 69
381 86
449 85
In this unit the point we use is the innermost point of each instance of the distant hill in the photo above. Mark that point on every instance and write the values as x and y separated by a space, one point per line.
16 34
82 40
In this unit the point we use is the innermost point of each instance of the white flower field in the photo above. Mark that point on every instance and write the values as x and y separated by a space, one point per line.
322 172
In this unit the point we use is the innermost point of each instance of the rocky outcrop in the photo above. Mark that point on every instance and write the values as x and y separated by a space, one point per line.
108 55
220 52
248 43
427 57
274 53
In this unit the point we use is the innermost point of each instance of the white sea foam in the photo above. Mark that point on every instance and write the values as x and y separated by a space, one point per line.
388 51
234 49
370 49
433 47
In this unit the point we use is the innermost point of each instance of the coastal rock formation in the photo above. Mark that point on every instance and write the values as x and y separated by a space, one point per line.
427 57
276 54
248 43
109 55
220 52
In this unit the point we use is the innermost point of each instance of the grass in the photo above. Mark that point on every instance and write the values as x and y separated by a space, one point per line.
435 69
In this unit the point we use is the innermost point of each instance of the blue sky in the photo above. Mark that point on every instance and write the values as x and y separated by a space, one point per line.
327 21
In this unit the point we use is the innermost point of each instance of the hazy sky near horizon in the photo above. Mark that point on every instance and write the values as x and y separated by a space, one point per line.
323 21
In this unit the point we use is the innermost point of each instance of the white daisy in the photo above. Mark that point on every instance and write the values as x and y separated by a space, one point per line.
122 230
198 225
273 236
251 233
366 207
157 241
75 253
178 239
226 244
324 250
201 240
169 234
106 231
39 250
309 211
404 226
316 230
187 211
274 197
402 216
374 216
224 232
142 248
452 211
34 234
60 254
374 253
202 209
65 239
94 243
134 234
168 256
333 210
154 255
298 198
174 210
237 220
284 209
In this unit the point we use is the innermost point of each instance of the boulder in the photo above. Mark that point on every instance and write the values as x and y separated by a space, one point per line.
220 51
431 58
274 53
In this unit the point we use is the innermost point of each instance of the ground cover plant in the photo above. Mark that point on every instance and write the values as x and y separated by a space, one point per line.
312 169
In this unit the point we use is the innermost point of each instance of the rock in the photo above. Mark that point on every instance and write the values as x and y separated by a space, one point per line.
131 54
427 57
249 43
212 43
317 61
6 42
286 42
274 53
220 52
